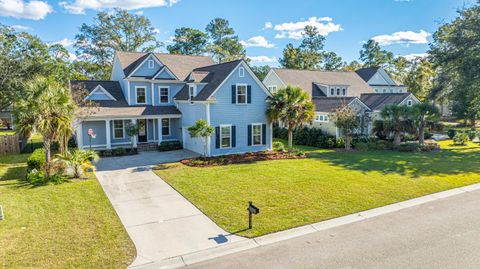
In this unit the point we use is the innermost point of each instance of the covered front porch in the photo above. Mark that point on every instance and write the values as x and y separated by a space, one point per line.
108 133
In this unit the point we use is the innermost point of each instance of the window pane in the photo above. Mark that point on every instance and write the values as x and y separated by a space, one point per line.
118 133
140 95
257 134
225 136
163 95
165 126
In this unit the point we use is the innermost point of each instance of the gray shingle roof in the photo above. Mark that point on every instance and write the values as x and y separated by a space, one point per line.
330 104
216 75
117 108
377 101
367 73
180 65
306 79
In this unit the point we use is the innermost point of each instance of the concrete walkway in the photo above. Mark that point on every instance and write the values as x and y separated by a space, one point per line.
160 221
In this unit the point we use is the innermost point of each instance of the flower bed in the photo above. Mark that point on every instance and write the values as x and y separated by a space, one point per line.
243 158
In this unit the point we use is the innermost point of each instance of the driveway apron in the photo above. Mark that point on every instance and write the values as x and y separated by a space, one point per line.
160 221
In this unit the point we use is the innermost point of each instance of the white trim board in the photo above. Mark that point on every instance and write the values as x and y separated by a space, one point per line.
102 89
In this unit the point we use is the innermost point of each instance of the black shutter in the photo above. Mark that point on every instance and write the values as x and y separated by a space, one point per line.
234 136
217 137
234 94
249 135
249 94
264 134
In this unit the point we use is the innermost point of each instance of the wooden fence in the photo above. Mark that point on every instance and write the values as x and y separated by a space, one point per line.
9 144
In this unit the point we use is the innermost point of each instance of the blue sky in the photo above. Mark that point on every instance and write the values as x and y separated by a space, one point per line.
265 27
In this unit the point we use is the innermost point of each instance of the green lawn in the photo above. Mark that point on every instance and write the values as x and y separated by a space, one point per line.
7 132
329 184
71 225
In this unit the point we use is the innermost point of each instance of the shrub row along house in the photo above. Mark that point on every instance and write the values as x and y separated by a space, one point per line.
164 94
366 91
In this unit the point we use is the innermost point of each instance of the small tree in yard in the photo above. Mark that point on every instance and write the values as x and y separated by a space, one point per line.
346 120
78 160
291 106
422 114
203 130
132 130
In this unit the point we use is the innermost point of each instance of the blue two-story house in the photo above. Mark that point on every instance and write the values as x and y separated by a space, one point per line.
164 94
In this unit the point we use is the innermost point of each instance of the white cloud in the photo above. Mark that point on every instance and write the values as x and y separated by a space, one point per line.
407 37
257 41
262 59
72 57
64 42
294 30
156 31
20 27
268 25
33 10
79 6
413 56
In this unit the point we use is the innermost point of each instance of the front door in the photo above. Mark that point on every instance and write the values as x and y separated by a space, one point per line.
142 131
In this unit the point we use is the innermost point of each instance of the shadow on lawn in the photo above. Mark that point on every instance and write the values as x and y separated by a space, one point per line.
448 162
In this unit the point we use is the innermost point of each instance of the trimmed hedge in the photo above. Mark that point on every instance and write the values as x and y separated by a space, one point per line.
170 145
36 160
312 137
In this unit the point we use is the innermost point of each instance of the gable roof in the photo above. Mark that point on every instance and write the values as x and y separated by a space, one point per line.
367 73
215 75
377 101
118 108
330 104
180 65
307 79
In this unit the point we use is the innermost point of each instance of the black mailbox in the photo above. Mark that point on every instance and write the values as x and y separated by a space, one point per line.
251 210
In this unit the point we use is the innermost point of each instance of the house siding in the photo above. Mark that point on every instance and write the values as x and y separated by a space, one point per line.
98 128
144 71
273 80
241 115
174 88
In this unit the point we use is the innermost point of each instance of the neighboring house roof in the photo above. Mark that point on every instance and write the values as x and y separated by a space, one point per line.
180 65
118 108
307 79
216 75
377 101
367 73
330 104
199 76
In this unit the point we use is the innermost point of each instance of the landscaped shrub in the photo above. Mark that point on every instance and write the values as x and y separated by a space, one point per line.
281 133
415 147
460 139
107 153
472 134
170 145
307 136
278 146
451 133
119 151
326 142
36 160
339 142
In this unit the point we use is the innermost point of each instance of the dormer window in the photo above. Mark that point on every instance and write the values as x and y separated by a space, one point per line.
332 91
241 72
409 103
151 64
338 91
192 91
272 88
344 92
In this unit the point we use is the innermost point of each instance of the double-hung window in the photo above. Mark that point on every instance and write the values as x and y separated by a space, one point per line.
164 95
272 88
141 95
338 91
256 134
332 91
166 127
225 136
321 118
118 129
241 94
344 92
191 92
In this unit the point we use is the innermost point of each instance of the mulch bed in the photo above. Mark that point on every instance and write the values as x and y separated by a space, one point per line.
242 158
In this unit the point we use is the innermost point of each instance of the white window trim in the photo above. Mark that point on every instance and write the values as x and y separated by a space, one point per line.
194 87
261 134
136 94
326 118
123 129
230 136
160 94
151 64
241 72
236 93
169 130
102 89
273 88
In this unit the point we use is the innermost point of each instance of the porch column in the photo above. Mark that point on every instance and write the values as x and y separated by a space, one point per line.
107 132
134 121
337 132
79 135
160 136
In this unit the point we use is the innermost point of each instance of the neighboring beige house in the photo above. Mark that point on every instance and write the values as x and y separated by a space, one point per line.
380 81
332 89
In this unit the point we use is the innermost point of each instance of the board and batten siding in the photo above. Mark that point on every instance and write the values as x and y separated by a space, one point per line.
223 112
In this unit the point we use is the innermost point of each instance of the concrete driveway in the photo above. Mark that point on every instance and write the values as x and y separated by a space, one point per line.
161 222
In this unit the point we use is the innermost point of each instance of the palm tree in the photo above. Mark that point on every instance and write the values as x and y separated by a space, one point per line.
292 107
78 160
421 114
394 118
48 109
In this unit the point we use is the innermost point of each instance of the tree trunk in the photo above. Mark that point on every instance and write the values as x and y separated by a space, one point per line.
290 139
46 148
205 148
347 142
473 122
421 134
397 139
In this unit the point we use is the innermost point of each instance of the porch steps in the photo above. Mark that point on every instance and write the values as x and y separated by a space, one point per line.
147 147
